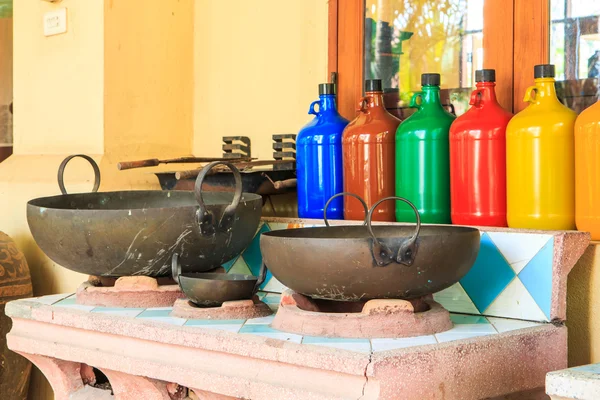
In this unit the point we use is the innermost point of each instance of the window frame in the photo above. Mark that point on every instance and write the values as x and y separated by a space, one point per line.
516 31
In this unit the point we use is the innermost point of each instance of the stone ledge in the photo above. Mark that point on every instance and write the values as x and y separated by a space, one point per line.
576 383
247 366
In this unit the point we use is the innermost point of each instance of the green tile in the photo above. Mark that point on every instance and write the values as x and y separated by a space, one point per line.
240 267
258 328
154 313
460 319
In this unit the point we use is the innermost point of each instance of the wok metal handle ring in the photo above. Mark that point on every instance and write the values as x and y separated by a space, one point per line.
61 172
407 252
206 219
357 197
262 276
175 267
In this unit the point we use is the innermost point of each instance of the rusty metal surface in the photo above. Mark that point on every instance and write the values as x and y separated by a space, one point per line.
258 182
336 263
130 233
137 232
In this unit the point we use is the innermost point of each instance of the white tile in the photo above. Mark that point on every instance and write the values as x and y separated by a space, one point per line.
451 336
263 320
505 325
274 286
515 302
471 328
401 343
159 309
455 299
519 248
51 299
464 331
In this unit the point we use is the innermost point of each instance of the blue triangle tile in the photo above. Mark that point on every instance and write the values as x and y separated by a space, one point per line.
489 276
252 254
537 277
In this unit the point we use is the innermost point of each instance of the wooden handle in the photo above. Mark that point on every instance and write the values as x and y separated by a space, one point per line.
286 184
189 174
123 165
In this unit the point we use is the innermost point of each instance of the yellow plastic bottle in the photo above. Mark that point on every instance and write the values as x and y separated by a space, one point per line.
587 171
540 159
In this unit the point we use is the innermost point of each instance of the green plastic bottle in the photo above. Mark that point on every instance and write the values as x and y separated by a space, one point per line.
422 157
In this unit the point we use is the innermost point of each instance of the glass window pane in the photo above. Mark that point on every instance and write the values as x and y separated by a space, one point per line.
582 8
575 50
404 39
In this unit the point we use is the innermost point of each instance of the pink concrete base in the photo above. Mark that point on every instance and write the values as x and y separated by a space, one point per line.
241 309
233 365
373 319
129 291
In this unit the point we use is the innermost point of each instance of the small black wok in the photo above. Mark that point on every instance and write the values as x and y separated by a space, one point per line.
355 263
131 233
206 289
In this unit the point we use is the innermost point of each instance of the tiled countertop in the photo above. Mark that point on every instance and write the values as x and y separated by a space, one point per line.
581 383
148 349
465 326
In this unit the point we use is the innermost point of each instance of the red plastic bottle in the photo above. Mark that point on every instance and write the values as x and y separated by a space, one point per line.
368 156
478 158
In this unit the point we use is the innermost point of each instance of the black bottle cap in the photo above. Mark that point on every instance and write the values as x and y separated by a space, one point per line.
373 85
326 88
485 75
543 71
430 79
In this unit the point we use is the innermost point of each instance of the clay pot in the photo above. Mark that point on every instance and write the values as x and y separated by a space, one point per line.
15 283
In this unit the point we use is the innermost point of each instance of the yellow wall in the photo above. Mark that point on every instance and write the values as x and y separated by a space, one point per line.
136 79
58 80
149 75
258 64
583 308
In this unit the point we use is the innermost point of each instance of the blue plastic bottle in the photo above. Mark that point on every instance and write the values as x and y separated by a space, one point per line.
319 158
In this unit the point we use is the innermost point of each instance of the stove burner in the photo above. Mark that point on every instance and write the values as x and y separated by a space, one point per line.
239 309
128 292
384 318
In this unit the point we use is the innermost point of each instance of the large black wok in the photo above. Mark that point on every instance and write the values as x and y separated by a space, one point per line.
137 232
355 263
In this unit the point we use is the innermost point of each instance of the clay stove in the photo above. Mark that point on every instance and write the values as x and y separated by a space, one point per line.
229 310
385 318
128 292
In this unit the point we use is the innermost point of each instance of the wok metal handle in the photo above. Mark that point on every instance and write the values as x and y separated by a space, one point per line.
175 267
61 172
357 197
206 219
407 251
262 276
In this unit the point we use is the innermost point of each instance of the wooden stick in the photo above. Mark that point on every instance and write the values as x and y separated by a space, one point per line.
153 162
245 165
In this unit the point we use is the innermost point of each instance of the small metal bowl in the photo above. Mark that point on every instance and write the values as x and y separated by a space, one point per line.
209 289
